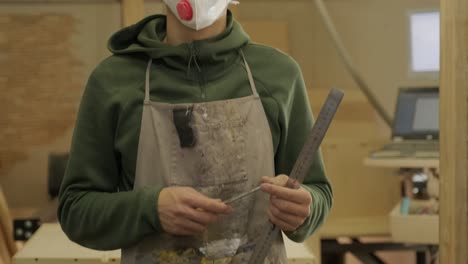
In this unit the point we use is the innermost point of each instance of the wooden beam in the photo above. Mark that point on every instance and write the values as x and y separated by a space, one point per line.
132 11
8 246
55 1
453 132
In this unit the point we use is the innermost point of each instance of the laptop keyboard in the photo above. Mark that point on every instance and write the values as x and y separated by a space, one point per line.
413 146
416 149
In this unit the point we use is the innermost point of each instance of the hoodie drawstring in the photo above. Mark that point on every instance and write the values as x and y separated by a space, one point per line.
193 58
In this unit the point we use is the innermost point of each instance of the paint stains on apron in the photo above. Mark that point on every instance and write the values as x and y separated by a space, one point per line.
230 151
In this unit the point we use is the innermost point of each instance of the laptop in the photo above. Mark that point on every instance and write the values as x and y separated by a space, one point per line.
415 130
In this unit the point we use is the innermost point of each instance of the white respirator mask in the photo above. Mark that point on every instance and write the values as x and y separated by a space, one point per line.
198 14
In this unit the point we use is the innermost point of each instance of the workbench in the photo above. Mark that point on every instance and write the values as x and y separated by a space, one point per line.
419 232
50 245
410 162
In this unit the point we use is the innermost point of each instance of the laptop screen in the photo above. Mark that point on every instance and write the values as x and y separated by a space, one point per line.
417 114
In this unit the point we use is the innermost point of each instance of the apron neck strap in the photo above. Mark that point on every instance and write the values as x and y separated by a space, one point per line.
147 81
247 68
249 75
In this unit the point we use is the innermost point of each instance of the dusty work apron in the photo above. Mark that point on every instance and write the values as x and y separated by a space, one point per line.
220 148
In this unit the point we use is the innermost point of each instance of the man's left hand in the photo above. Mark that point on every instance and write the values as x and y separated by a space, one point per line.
288 207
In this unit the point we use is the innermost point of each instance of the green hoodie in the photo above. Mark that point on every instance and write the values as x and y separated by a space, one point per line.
98 208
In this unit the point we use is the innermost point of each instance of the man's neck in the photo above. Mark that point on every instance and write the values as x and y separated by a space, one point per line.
178 33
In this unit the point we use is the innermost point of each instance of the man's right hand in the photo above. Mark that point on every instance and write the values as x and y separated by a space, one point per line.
184 211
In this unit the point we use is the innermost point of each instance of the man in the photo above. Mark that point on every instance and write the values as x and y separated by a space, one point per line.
186 114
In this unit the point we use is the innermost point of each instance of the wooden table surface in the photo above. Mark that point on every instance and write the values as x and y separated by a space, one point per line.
50 245
402 162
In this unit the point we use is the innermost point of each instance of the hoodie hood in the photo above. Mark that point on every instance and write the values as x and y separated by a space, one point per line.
210 57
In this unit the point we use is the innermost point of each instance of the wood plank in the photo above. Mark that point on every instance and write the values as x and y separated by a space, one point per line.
132 11
356 227
453 132
5 254
8 246
298 252
401 163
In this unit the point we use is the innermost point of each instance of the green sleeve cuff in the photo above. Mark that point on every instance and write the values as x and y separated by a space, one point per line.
310 223
151 196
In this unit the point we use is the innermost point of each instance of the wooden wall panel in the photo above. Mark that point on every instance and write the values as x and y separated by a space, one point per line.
40 80
271 32
132 11
363 196
453 134
47 52
355 119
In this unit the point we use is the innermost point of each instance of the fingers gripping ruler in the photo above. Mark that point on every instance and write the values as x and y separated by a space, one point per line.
302 166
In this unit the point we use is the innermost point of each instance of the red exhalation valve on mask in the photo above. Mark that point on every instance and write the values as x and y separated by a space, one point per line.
185 10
